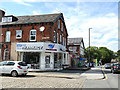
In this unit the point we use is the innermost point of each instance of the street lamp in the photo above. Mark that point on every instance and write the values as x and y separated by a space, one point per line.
89 46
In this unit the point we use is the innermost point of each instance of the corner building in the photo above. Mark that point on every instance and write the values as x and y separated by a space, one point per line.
38 40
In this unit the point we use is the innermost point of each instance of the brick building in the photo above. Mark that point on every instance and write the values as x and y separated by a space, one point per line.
76 48
39 40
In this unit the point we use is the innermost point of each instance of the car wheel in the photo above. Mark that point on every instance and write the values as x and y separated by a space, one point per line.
14 74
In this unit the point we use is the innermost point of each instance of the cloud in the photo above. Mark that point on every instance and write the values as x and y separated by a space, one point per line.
35 13
22 2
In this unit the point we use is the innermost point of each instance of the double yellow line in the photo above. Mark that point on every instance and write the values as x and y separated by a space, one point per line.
106 77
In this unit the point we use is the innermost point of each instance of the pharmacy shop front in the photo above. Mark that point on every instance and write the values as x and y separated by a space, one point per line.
42 55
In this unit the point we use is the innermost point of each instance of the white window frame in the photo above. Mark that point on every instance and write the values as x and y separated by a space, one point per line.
6 19
7 37
62 26
58 24
54 37
60 38
20 31
57 37
63 40
6 51
32 35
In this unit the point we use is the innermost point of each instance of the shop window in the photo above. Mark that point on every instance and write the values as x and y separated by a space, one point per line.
54 37
58 24
7 38
18 34
6 54
32 35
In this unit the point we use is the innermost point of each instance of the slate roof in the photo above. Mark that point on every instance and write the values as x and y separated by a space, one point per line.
34 19
75 40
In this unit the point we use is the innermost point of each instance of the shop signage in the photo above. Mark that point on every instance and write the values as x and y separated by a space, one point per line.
29 46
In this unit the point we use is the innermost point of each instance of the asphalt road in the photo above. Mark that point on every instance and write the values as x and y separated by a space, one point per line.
111 81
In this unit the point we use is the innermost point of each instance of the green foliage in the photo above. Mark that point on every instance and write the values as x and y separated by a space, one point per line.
99 53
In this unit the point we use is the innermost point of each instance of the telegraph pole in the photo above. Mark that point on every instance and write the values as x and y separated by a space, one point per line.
89 46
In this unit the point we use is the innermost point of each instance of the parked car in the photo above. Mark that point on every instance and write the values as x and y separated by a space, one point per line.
115 68
107 66
14 68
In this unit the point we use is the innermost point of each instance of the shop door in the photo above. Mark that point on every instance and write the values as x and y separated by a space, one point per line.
47 61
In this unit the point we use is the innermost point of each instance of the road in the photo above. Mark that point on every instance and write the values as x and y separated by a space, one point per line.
111 81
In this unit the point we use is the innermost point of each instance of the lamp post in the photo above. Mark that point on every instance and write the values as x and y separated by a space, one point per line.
89 46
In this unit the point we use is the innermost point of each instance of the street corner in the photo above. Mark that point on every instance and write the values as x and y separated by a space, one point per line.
95 73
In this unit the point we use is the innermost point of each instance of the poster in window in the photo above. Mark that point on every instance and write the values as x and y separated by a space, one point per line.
18 34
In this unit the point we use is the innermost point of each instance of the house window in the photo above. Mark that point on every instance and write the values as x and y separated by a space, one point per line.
54 37
58 24
18 34
7 19
63 41
32 35
57 37
6 54
7 38
60 38
62 26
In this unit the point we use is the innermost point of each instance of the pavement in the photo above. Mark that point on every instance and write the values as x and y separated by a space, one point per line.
95 73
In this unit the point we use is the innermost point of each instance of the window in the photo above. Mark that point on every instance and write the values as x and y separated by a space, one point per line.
60 38
10 64
32 35
6 54
54 37
62 26
7 19
7 38
18 34
57 37
58 24
63 41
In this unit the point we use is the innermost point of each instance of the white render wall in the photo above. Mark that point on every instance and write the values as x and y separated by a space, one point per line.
42 61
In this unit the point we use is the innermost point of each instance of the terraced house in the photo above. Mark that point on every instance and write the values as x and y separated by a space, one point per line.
38 40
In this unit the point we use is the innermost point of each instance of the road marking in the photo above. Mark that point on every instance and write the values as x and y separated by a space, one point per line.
106 77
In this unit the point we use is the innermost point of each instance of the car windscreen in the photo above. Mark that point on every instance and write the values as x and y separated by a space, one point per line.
22 64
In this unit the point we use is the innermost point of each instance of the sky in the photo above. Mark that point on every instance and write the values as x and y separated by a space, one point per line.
101 16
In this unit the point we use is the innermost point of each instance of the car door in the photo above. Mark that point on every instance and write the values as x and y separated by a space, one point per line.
9 66
3 66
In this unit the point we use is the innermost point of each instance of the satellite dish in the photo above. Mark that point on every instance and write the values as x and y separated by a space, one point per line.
42 28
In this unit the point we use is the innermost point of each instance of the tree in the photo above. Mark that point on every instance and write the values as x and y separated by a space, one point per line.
99 53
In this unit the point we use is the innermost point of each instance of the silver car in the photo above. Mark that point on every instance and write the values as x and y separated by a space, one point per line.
14 68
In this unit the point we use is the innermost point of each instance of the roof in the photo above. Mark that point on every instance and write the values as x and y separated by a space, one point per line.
34 19
75 40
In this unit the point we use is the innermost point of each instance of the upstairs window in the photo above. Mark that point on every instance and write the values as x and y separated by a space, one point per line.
62 26
57 37
63 41
18 34
60 38
32 35
54 37
7 38
58 24
6 19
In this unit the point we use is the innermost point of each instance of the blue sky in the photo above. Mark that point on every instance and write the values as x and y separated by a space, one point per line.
102 17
